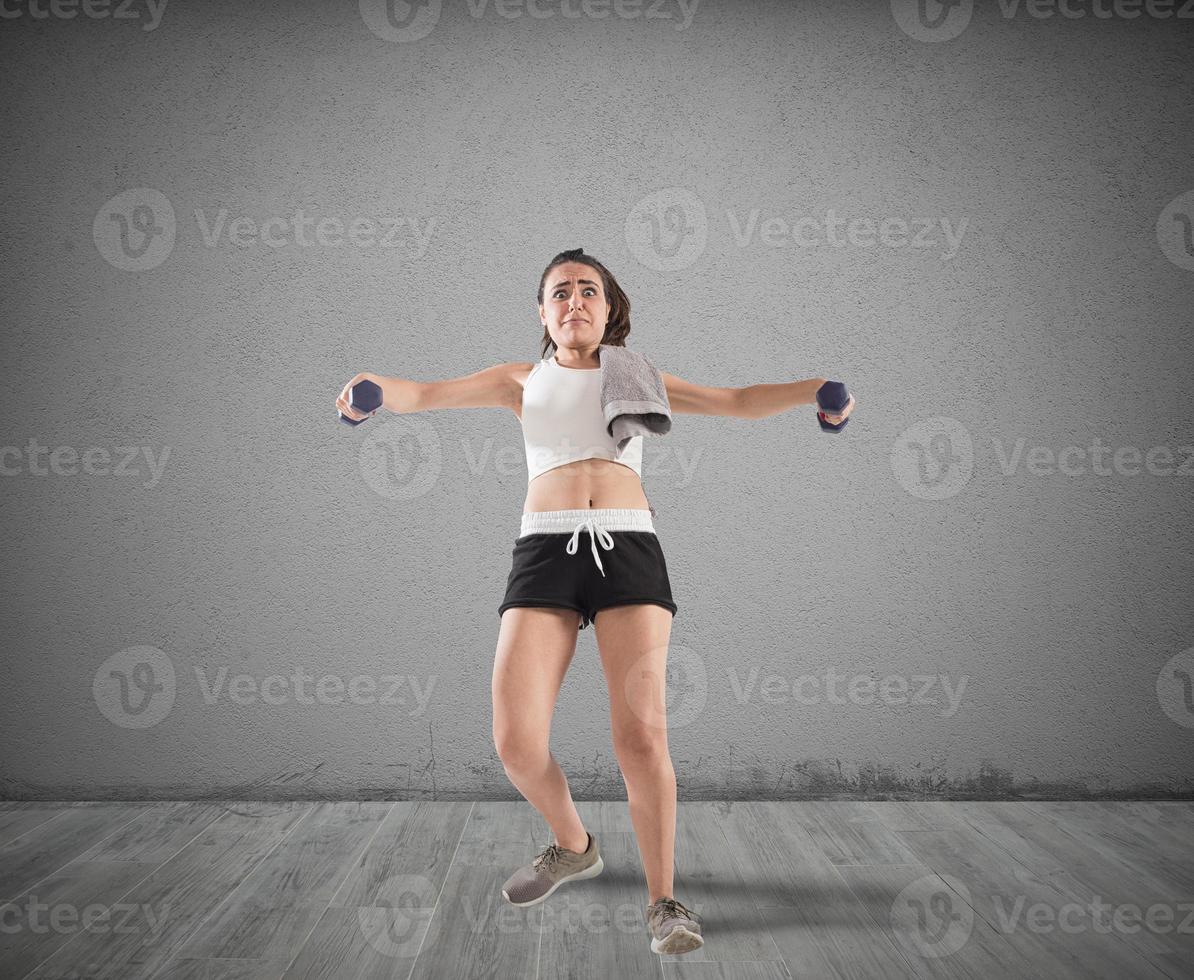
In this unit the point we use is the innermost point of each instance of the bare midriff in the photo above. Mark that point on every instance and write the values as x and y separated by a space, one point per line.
584 484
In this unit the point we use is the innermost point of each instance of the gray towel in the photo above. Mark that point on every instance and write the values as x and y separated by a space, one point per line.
633 396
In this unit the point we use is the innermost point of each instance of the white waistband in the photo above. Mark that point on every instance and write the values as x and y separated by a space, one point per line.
566 521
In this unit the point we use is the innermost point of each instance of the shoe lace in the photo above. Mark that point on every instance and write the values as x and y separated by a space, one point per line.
669 906
548 858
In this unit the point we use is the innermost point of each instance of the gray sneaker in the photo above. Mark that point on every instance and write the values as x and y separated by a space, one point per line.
674 929
531 884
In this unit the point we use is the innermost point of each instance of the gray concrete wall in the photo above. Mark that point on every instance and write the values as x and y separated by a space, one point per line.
981 588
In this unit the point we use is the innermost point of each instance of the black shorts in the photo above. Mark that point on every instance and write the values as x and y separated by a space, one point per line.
588 560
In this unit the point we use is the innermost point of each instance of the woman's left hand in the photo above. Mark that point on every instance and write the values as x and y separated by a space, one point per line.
839 417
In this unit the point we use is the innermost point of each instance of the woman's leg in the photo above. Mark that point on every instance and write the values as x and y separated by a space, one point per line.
633 641
535 647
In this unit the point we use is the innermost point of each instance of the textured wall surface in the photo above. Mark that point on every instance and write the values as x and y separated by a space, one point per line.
978 216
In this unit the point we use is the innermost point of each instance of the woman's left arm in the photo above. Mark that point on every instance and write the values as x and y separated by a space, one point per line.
751 402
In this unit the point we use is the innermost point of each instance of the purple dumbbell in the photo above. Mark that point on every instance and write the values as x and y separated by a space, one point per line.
832 397
364 396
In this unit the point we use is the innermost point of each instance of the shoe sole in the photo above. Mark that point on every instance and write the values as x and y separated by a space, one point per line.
590 872
679 940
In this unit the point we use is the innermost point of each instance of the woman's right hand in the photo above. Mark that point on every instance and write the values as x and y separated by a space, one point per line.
343 402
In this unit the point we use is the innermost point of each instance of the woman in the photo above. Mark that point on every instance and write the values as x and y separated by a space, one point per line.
579 483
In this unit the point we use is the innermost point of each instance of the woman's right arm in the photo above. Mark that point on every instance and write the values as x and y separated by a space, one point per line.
492 387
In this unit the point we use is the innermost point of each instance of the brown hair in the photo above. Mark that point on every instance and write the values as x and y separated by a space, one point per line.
617 327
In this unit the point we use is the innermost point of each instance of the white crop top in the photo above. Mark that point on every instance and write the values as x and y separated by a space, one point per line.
562 420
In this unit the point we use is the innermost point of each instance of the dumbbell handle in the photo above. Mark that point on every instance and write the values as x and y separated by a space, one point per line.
365 396
832 397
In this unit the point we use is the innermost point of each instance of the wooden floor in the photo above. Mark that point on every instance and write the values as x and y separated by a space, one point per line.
412 889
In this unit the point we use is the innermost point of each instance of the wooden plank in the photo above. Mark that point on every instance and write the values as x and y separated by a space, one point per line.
603 816
47 916
1178 966
776 855
377 921
595 929
1174 814
180 894
416 838
473 931
1141 908
712 970
275 907
46 847
377 890
936 815
1024 907
911 901
367 943
1157 854
709 879
16 821
851 833
158 833
217 969
1083 860
505 823
835 941
906 815
816 922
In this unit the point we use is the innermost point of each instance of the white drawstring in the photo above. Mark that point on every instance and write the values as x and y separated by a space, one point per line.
596 533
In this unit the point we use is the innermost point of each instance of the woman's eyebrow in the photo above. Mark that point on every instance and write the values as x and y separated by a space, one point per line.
587 282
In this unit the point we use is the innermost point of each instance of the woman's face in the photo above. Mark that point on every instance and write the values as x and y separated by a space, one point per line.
574 308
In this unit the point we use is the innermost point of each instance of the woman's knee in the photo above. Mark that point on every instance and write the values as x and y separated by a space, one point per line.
520 749
641 748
